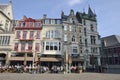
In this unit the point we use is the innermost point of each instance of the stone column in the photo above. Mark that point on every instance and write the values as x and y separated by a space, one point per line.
7 59
25 59
98 59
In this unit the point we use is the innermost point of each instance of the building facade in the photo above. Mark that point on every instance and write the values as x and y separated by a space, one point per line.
52 42
111 51
67 41
6 33
27 42
81 37
6 17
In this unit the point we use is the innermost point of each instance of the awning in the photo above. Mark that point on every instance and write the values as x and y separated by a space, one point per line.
77 59
48 59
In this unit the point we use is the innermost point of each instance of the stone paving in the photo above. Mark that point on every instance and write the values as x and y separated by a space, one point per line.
82 76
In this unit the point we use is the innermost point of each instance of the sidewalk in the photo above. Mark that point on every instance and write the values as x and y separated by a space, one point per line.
82 76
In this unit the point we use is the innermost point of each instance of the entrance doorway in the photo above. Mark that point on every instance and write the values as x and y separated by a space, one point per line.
2 59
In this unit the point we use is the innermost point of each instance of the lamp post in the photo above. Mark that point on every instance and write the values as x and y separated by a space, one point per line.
69 62
39 62
33 58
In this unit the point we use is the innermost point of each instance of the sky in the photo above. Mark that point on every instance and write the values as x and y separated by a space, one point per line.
108 12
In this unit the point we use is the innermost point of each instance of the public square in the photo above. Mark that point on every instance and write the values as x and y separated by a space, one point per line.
61 76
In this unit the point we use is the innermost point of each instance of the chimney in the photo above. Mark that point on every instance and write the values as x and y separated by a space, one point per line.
44 16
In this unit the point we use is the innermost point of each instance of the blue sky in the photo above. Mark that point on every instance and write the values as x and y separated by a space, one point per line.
107 11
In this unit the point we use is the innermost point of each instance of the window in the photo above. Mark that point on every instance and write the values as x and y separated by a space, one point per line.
58 21
3 42
22 46
37 46
24 34
48 34
85 31
0 40
74 29
35 24
80 30
93 39
16 47
18 35
52 34
51 45
46 21
55 46
71 20
65 28
91 27
73 38
27 24
47 45
70 28
30 24
31 34
84 22
59 46
23 24
94 50
74 49
30 46
86 42
8 40
38 35
52 21
65 37
39 24
9 13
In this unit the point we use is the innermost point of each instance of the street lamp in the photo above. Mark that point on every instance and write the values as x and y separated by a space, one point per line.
34 52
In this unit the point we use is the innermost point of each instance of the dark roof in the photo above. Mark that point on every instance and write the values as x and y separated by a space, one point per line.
90 13
113 40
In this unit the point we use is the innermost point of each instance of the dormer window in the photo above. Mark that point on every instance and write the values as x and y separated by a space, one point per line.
22 24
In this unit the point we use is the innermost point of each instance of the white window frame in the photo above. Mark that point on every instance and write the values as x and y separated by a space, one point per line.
65 37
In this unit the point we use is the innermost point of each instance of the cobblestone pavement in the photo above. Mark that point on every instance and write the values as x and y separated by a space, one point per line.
82 76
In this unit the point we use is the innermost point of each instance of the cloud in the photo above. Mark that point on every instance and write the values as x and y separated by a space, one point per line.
74 2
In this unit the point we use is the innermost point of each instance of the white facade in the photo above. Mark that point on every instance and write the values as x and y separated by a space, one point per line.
6 17
51 36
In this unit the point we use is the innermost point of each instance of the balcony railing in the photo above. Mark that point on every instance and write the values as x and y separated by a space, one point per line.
28 28
23 51
25 39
